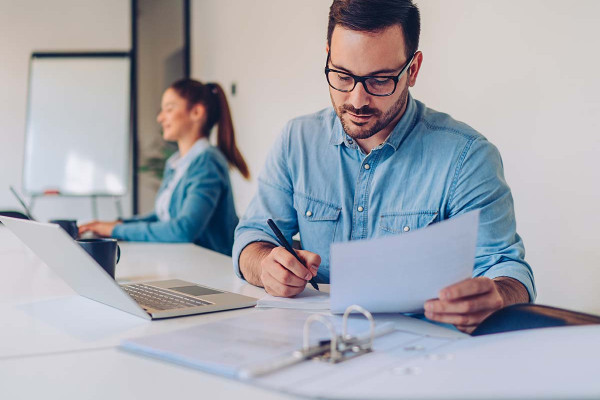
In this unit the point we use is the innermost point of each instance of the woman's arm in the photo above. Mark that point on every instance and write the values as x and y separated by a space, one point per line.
202 186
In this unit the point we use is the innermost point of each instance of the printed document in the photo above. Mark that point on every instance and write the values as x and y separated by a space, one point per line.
399 273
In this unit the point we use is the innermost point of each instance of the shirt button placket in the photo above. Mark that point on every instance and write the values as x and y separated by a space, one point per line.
360 229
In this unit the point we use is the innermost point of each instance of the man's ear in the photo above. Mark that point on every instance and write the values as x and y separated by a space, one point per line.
413 70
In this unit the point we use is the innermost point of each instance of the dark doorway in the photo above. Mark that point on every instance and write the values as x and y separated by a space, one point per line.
163 56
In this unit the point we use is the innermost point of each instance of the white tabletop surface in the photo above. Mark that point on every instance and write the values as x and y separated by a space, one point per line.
56 344
114 374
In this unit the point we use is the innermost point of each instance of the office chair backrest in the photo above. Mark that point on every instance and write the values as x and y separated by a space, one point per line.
529 316
13 214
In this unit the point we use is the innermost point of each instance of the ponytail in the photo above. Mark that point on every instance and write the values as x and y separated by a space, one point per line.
213 98
225 134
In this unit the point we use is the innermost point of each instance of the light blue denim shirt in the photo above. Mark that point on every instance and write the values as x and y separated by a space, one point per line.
318 182
176 167
201 207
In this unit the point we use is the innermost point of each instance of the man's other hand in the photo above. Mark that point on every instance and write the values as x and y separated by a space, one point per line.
282 275
467 303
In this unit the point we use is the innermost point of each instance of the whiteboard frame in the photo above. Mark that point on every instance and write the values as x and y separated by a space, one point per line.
131 103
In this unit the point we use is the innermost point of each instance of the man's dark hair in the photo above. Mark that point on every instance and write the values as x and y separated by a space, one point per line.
375 16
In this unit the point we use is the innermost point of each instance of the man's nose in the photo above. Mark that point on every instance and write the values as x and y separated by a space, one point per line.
359 96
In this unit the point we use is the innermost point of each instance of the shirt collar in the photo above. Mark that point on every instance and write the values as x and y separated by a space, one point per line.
337 134
176 161
402 128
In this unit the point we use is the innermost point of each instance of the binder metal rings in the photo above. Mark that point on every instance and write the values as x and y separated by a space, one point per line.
339 347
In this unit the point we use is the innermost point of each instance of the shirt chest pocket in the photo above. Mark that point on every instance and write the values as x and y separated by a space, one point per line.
404 222
317 221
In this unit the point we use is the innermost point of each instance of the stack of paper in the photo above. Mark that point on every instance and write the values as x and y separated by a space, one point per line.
238 346
231 346
540 363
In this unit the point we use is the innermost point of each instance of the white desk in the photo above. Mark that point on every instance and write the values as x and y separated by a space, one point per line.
55 344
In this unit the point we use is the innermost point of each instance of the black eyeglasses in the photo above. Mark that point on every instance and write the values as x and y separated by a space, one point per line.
374 85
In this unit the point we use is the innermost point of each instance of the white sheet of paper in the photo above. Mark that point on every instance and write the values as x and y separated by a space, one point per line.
399 273
309 299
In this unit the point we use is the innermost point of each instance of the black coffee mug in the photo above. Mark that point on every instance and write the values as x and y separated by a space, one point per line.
105 251
69 225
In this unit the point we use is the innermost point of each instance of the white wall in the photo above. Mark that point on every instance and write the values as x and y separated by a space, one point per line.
57 25
524 73
274 50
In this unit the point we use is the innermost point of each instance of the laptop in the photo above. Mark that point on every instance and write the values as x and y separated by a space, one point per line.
22 202
149 300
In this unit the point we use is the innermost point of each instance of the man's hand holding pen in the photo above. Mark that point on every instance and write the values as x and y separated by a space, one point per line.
283 275
282 271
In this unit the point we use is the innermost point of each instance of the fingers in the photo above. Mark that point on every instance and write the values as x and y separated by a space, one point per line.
289 262
99 228
465 304
283 275
468 287
87 227
469 305
311 260
275 288
464 320
466 329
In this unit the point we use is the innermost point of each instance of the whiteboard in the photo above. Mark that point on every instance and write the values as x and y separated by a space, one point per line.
77 139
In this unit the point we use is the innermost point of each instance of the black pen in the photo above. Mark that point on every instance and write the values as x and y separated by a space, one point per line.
287 246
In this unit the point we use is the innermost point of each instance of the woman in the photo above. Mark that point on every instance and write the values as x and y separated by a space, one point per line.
195 201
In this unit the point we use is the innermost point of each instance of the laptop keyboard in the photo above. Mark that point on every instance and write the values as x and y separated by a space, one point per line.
161 299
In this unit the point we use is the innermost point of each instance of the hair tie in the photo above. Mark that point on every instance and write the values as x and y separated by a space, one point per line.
213 89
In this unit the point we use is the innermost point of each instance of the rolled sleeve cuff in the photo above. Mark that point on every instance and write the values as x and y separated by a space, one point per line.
117 232
516 271
133 231
243 240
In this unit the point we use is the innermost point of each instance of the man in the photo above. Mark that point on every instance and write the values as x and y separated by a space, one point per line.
381 163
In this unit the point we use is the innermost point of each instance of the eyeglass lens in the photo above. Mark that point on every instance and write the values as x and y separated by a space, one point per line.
345 83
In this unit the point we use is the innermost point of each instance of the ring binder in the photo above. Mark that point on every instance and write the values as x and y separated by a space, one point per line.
341 347
337 348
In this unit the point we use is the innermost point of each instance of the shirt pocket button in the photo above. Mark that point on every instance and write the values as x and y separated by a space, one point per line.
309 213
405 221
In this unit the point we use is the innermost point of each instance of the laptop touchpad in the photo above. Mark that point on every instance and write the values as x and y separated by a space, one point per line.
195 290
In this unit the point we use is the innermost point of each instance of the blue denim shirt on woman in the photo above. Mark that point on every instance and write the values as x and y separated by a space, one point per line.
201 208
318 182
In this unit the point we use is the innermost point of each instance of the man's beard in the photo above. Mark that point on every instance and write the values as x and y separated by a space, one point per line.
382 119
